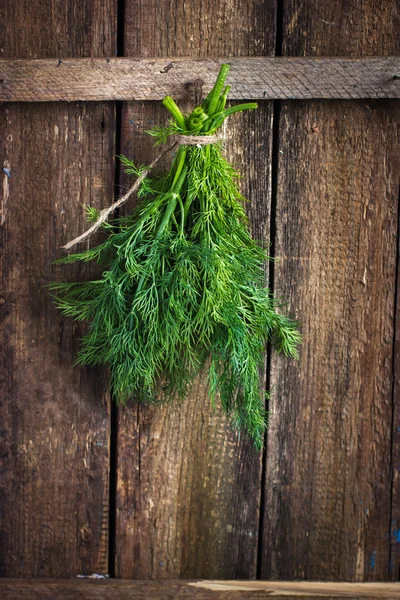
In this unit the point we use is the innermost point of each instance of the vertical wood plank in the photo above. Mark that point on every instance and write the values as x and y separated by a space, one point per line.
188 489
340 28
54 416
394 531
328 483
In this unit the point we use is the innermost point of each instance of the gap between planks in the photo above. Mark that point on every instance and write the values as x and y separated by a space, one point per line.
285 78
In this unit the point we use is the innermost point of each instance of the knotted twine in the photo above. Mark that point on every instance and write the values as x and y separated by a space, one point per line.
182 140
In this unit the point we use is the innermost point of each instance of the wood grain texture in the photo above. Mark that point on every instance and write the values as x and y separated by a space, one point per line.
188 489
341 28
54 417
152 79
328 484
199 29
189 590
53 29
394 529
329 442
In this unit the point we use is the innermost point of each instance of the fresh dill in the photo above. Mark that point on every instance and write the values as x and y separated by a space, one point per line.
183 286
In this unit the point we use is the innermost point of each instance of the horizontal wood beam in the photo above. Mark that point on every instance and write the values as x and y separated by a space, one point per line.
92 79
117 589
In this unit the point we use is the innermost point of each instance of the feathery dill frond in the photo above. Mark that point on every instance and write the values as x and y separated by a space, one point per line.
161 134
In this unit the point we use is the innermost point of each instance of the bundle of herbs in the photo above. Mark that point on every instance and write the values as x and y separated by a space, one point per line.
183 287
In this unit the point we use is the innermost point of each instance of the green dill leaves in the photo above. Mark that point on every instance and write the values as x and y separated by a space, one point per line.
183 286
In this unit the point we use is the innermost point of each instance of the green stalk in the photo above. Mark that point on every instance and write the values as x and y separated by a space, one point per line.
175 112
180 161
177 183
223 99
213 124
217 89
172 203
239 108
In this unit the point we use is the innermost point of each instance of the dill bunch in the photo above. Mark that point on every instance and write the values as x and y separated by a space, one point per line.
183 287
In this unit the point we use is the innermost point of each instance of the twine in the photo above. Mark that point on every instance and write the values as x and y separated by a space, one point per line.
183 140
197 140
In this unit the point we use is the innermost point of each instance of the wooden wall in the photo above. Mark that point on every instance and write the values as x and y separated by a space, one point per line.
168 493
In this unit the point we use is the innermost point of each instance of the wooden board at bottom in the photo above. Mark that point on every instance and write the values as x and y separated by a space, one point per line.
14 589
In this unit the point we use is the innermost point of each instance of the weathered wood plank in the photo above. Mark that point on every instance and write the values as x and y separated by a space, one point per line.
188 488
54 417
328 487
151 79
353 29
394 531
330 431
204 590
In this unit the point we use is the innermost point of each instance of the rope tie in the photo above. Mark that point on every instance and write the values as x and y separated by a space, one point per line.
197 140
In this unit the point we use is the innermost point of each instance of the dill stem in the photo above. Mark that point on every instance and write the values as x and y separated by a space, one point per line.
175 111
177 183
239 108
186 206
180 161
223 99
217 89
182 214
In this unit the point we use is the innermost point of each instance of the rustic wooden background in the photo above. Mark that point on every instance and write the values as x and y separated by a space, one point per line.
148 493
